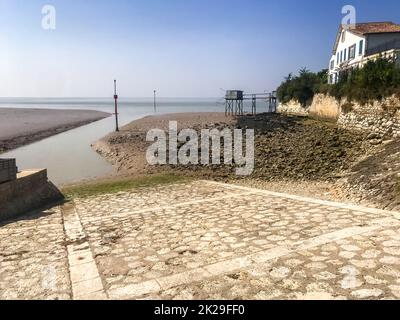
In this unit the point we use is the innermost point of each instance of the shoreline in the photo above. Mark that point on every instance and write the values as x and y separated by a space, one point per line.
22 126
296 155
126 150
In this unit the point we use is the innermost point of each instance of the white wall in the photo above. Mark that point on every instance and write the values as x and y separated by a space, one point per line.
370 41
350 39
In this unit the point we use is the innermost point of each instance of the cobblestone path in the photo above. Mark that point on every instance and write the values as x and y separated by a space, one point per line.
202 240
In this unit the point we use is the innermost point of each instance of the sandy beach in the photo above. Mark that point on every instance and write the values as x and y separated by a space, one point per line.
20 127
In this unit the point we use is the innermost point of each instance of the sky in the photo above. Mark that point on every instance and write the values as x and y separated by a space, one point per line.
181 48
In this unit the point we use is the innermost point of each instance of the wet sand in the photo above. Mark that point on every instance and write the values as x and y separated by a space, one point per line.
126 149
19 127
184 120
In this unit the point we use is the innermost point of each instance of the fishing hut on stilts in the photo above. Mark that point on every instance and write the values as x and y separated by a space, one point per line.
234 102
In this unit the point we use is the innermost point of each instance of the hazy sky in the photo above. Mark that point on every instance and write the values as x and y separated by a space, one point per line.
182 48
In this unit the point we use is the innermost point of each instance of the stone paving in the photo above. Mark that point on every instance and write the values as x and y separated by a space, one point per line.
202 240
33 258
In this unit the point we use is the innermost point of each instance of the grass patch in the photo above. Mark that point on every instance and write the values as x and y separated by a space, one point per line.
114 186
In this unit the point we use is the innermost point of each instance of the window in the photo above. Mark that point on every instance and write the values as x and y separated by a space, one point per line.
343 36
337 58
345 55
332 64
341 56
361 48
352 52
331 79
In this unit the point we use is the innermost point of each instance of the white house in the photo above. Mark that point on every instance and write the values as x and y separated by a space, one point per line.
356 45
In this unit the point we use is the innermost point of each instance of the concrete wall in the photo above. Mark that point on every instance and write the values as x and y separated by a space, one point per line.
30 191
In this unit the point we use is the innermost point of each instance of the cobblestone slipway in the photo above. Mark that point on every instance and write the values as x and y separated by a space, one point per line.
201 240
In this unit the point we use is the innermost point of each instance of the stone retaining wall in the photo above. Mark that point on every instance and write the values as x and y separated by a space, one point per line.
30 191
322 106
380 117
292 107
325 107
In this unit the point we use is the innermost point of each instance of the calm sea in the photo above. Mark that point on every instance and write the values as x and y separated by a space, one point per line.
68 156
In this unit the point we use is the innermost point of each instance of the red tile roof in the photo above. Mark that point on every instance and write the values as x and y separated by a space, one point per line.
375 27
363 29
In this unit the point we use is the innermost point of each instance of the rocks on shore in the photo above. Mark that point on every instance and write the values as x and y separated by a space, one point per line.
287 148
376 178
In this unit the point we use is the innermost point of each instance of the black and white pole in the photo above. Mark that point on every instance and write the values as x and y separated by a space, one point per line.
116 106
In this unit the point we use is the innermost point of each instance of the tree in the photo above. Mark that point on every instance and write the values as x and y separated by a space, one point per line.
302 87
376 80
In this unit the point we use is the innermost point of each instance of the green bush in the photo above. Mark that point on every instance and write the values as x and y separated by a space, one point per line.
376 80
302 87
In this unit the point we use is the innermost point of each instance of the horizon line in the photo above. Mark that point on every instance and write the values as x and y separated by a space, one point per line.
111 97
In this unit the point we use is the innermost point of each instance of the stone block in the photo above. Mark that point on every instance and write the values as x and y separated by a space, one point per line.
30 191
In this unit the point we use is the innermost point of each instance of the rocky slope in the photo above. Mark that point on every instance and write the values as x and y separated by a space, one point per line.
289 150
294 148
376 178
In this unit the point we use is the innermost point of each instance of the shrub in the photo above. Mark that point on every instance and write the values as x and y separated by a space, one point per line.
302 87
377 80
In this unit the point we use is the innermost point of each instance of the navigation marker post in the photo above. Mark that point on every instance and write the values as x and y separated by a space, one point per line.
116 106
155 104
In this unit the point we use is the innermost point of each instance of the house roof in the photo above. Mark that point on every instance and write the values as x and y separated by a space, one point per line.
375 27
362 29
